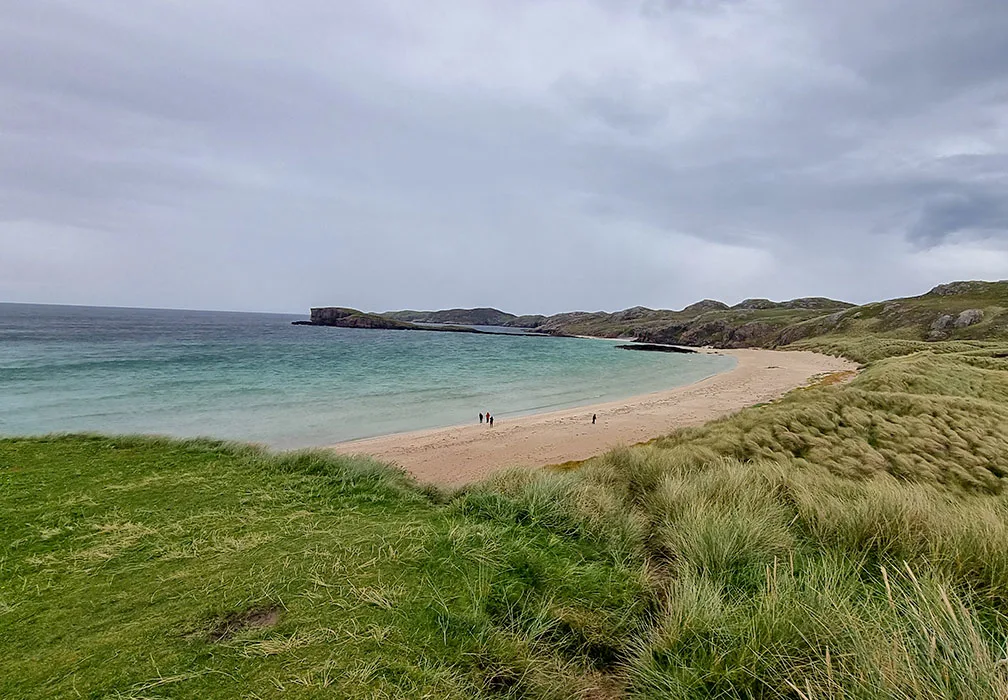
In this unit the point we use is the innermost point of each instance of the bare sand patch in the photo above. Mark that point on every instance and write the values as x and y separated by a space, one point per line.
462 454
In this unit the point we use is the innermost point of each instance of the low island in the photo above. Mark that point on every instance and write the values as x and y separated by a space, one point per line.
344 317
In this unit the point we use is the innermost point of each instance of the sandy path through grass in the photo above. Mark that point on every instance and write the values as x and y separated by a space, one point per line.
463 454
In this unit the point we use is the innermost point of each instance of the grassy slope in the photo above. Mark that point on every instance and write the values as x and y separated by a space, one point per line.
847 541
696 324
121 558
918 318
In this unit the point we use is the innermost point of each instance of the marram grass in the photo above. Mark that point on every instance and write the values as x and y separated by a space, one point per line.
847 541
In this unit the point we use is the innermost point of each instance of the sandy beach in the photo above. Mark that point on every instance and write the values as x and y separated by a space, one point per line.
461 454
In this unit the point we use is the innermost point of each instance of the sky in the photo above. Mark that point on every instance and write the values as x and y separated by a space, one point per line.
533 155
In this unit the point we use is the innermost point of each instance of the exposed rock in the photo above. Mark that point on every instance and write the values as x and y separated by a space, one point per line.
942 322
753 333
954 288
653 347
968 318
939 326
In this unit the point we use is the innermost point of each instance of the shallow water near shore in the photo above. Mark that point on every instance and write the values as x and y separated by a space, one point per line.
256 377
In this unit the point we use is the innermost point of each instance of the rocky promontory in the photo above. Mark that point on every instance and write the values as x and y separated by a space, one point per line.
342 317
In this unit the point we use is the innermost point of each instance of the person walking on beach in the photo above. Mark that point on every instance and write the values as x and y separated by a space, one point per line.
481 418
491 421
593 418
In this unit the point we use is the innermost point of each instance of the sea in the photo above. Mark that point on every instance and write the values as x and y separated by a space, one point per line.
256 377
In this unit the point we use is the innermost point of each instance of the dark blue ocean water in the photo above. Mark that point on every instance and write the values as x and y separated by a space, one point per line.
256 377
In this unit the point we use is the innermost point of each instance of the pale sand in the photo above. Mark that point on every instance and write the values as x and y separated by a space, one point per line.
467 453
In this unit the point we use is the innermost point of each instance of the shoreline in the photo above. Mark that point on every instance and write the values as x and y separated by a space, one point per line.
457 455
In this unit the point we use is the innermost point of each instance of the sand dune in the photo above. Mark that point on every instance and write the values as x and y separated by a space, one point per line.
461 454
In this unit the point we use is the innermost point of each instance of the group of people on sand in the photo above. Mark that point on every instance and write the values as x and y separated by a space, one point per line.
488 419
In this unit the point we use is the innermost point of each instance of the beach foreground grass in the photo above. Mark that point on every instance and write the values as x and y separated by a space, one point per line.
846 541
141 568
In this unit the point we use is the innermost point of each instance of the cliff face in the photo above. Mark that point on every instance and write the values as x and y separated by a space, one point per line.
352 318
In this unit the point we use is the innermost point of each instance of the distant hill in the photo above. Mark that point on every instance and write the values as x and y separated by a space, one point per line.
708 322
955 311
344 317
466 317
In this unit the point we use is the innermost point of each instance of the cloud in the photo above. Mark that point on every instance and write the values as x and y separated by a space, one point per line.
528 155
975 213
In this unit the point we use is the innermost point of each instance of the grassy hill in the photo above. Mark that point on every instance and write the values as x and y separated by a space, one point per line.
960 310
847 541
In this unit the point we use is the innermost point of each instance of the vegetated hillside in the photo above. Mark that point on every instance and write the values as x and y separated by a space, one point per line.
469 317
753 322
146 568
955 311
847 541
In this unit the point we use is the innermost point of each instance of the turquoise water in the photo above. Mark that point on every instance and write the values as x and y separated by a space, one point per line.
256 377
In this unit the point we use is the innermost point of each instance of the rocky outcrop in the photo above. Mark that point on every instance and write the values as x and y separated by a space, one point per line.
652 347
942 326
343 317
972 287
717 333
968 318
939 325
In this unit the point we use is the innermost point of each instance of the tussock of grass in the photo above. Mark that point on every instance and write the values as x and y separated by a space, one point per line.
848 541
929 417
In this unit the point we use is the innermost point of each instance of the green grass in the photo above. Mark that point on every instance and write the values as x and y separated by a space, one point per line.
124 560
849 540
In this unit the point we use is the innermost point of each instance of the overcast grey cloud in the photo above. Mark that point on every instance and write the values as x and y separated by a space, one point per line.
537 156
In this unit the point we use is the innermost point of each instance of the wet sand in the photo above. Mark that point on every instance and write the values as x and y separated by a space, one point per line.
461 454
